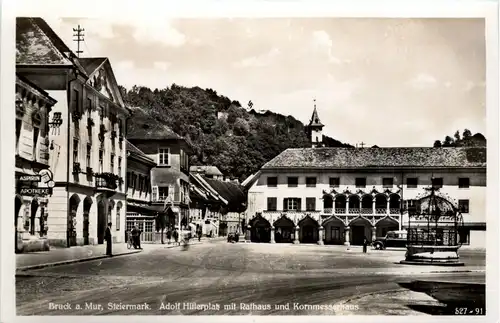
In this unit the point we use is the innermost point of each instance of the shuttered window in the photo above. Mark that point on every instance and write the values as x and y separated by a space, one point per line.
310 204
272 203
154 193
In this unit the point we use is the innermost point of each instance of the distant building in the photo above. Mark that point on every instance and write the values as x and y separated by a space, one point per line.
170 176
139 193
341 195
86 139
207 171
217 203
33 106
314 130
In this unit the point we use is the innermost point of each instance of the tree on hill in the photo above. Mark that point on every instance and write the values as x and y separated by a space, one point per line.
222 133
466 140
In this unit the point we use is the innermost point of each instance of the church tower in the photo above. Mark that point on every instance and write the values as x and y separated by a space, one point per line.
315 129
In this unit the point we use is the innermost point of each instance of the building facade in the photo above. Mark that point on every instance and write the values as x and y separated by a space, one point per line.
88 155
207 171
341 195
170 176
33 106
139 210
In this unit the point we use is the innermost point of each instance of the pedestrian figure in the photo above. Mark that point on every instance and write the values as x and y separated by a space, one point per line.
136 236
199 235
108 238
169 235
176 236
365 244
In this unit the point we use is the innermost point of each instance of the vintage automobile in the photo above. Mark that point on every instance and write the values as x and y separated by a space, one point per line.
233 237
397 239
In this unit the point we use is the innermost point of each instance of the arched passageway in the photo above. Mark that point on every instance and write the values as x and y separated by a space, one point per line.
308 230
101 221
87 204
334 231
74 201
284 230
260 230
360 228
385 225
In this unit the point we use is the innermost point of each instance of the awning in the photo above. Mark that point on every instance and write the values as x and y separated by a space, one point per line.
140 207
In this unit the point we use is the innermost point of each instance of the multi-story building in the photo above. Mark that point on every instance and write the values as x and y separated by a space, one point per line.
170 176
216 205
339 195
33 106
139 209
87 140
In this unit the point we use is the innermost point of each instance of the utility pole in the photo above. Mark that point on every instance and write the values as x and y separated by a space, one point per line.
79 38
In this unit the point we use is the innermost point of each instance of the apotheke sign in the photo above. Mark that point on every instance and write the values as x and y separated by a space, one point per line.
35 191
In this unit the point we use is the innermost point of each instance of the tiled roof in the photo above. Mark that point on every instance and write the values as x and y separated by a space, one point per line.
378 157
207 170
231 192
33 46
92 63
167 176
38 44
134 149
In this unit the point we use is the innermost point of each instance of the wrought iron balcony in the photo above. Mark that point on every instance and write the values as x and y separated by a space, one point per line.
394 211
353 210
105 183
340 210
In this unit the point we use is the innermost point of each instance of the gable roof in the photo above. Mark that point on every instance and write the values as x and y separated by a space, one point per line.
250 180
38 44
92 64
231 192
200 181
353 158
207 170
133 149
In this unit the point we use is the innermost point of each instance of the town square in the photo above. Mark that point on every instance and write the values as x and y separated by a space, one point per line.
288 166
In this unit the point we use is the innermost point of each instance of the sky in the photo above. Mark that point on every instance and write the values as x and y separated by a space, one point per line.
380 81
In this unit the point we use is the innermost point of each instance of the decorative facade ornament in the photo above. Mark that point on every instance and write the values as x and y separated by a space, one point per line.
360 192
374 191
347 191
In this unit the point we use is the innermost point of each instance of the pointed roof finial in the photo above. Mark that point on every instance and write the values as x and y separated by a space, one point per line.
315 119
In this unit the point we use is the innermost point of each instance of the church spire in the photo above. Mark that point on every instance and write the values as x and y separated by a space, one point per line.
315 128
315 122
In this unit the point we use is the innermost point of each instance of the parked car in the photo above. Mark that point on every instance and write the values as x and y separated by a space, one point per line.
391 239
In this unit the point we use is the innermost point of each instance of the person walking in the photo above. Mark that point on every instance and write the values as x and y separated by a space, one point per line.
176 236
108 238
199 234
169 235
365 244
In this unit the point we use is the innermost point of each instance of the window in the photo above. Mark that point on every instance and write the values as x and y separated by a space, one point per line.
101 114
293 181
291 204
101 160
361 182
163 156
412 182
334 181
19 125
75 150
310 181
112 163
37 121
272 203
463 182
89 154
154 193
437 182
162 193
387 182
119 166
89 106
118 217
463 206
272 181
335 233
76 101
310 204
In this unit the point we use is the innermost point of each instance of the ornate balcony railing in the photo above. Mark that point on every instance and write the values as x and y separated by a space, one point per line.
353 210
394 211
328 210
340 211
105 183
381 211
366 210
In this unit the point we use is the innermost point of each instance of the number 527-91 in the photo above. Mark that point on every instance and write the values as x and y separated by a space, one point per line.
469 311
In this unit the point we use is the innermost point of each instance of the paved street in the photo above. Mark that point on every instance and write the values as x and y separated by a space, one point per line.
217 273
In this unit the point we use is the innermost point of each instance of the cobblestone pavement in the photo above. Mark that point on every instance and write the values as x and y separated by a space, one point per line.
219 273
